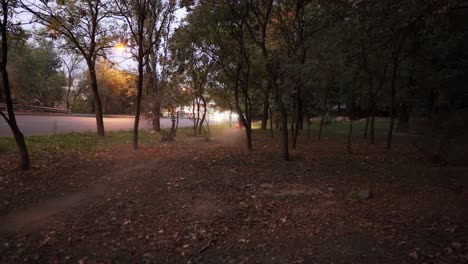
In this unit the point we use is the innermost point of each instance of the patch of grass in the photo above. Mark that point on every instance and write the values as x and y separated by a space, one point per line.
338 128
77 141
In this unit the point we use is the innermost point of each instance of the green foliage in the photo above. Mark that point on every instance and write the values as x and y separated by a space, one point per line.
76 141
36 78
117 89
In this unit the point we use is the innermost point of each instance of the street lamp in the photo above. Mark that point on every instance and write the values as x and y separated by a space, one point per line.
119 48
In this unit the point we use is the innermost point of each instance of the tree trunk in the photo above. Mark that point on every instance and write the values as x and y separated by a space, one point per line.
369 110
351 117
197 120
138 99
271 122
193 116
200 124
293 121
11 120
266 105
173 124
156 117
284 131
297 123
392 113
177 124
322 120
403 122
67 100
325 101
97 105
372 124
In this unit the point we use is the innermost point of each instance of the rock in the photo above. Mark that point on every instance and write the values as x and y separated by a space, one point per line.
414 255
361 195
266 185
456 245
448 251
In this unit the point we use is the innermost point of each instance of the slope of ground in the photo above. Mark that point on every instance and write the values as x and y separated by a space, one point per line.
198 201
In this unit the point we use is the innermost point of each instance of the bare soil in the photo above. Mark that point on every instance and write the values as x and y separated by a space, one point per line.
198 201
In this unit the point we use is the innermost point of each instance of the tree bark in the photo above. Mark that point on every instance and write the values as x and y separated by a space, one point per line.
156 117
284 131
393 110
266 105
25 163
372 124
177 124
97 105
351 117
297 121
404 116
138 101
325 102
271 122
200 125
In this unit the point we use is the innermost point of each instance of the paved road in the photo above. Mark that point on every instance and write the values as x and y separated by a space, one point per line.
51 124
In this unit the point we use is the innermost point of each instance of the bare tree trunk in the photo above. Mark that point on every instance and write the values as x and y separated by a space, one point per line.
200 125
351 117
266 105
297 123
322 120
156 116
277 122
197 122
369 110
393 110
193 115
67 100
284 131
177 124
293 121
139 93
404 116
25 163
97 105
173 124
271 122
372 124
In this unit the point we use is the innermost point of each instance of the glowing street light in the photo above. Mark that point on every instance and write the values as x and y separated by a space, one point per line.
119 48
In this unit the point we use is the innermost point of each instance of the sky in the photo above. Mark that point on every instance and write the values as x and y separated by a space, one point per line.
123 60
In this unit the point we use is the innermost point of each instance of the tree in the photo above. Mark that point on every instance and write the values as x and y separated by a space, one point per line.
83 27
117 88
146 20
36 74
71 64
5 30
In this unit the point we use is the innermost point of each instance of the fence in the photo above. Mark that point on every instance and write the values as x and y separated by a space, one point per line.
37 108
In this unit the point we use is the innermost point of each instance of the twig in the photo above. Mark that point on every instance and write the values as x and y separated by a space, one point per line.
201 250
205 247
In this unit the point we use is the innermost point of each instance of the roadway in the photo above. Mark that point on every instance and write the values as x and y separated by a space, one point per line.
32 125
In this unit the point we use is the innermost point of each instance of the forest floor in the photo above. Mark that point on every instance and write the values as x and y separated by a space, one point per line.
199 201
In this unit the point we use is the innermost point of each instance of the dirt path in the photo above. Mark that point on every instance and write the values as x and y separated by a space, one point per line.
194 201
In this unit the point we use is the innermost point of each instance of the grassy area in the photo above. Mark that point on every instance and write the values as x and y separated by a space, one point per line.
83 141
77 141
88 140
341 127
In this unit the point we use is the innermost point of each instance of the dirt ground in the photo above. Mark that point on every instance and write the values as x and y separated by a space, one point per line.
198 201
